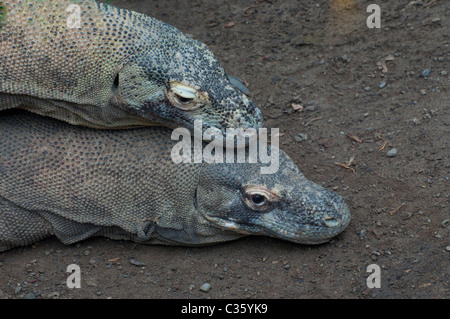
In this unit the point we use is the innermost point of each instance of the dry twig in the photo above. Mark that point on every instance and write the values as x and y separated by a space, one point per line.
313 119
392 212
348 164
384 142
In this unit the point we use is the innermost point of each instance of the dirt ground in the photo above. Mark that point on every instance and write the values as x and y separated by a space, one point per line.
354 89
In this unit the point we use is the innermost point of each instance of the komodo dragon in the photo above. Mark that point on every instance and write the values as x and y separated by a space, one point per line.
76 182
99 66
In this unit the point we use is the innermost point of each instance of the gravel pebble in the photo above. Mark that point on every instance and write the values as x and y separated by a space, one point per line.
205 287
53 295
382 85
392 153
300 137
362 234
426 73
136 262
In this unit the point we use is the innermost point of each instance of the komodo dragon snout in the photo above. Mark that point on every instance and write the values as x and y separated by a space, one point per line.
114 69
284 205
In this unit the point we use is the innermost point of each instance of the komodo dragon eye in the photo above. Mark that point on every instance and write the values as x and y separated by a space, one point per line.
259 198
185 97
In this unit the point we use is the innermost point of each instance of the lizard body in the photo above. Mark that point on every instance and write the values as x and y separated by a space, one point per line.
96 65
76 182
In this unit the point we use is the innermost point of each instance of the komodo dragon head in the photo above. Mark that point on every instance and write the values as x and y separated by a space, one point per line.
95 65
180 80
284 205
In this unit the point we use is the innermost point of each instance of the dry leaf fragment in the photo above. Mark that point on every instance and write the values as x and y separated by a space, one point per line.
355 138
297 107
250 10
113 260
230 24
350 161
382 63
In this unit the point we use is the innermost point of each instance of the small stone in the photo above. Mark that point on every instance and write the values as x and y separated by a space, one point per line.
447 248
392 153
205 287
300 137
362 234
53 295
136 262
426 73
367 88
414 121
382 85
287 266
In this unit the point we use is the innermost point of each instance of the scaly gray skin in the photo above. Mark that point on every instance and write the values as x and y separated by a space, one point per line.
120 69
75 182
